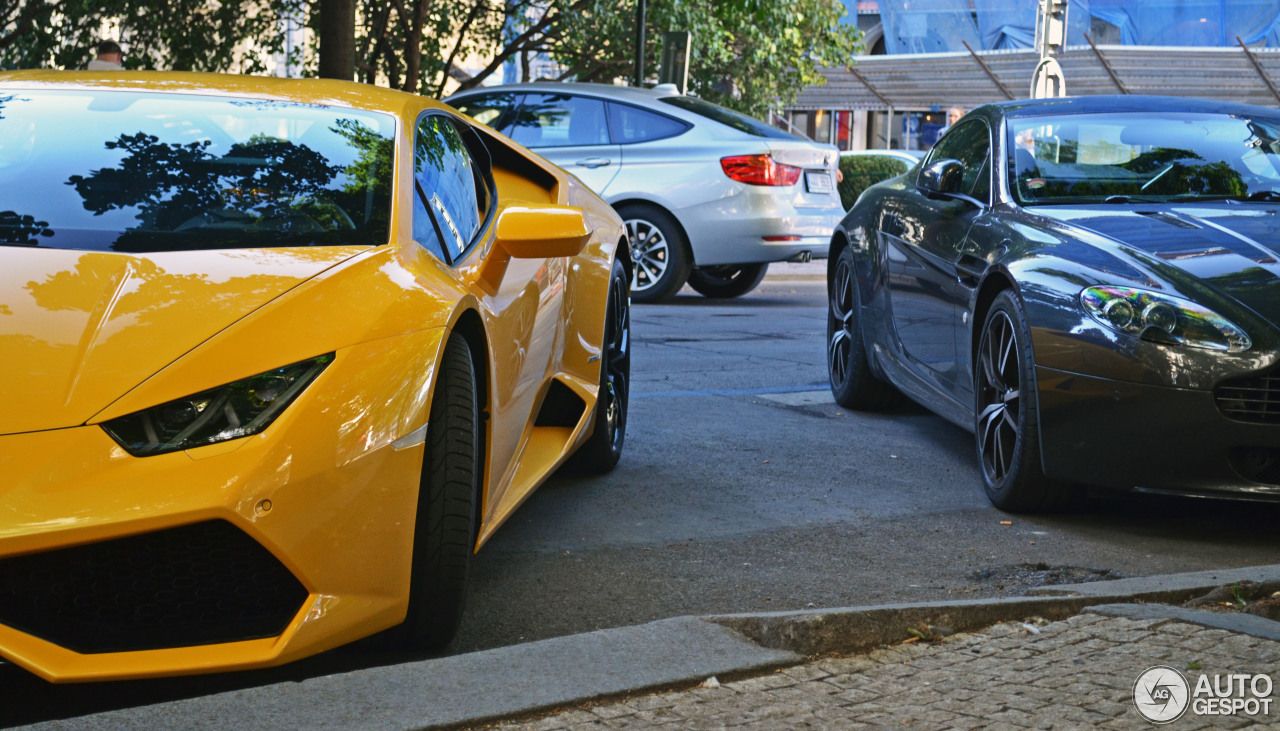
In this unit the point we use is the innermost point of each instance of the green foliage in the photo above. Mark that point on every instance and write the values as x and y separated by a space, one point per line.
748 55
177 35
862 171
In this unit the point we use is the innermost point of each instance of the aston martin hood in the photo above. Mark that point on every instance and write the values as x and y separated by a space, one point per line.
1234 248
80 329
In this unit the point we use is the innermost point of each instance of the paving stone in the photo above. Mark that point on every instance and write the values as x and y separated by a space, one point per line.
1074 674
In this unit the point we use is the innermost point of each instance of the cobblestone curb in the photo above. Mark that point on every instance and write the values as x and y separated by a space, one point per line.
1075 673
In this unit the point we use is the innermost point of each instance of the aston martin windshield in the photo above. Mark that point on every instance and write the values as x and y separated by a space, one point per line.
145 172
1141 157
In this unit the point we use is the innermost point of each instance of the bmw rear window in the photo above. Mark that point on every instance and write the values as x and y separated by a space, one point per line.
144 172
727 117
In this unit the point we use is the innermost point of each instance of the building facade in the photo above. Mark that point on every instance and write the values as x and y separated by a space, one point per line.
925 57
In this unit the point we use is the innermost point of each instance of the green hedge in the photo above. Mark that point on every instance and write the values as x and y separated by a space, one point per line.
863 171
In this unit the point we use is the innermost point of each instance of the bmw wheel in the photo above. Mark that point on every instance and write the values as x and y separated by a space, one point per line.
659 253
730 280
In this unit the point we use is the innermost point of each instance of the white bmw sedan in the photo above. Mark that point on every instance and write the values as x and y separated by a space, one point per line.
709 196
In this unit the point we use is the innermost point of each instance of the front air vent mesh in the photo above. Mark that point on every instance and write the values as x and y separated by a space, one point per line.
1254 399
197 584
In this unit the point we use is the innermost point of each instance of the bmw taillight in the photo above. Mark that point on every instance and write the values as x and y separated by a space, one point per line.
759 170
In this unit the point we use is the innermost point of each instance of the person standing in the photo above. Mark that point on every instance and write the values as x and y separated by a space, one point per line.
110 58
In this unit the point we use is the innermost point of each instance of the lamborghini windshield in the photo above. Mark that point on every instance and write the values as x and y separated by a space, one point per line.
143 172
1134 157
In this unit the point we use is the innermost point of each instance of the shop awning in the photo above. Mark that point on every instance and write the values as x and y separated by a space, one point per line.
940 80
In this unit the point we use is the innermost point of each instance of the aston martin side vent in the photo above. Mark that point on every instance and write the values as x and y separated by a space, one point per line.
1254 399
1168 218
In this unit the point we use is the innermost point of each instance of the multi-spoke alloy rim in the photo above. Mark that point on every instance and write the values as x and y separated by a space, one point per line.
649 253
617 364
999 424
840 324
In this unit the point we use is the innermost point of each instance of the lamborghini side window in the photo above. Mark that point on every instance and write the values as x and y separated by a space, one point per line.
448 187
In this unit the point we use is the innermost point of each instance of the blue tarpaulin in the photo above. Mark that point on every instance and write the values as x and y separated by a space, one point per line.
1191 22
933 26
927 26
1006 24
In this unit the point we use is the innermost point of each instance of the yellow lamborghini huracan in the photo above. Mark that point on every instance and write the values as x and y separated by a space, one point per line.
276 357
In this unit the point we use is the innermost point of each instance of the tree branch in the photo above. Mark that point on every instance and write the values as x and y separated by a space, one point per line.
462 35
23 23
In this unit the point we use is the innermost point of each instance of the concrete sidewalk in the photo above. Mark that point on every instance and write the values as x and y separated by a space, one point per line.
1069 656
1075 673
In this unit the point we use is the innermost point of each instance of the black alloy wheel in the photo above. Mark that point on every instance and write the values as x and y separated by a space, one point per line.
444 529
1006 416
603 448
853 384
728 280
659 253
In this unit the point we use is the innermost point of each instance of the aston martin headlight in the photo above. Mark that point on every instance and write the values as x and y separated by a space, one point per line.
235 410
1163 319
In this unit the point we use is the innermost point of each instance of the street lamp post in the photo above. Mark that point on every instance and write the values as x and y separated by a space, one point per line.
640 13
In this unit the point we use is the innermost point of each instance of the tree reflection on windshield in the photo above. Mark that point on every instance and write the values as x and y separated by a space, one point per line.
99 170
19 230
262 186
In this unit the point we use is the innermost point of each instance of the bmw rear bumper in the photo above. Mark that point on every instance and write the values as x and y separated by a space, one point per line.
757 226
1111 433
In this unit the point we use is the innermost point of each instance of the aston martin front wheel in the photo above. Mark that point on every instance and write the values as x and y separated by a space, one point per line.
603 448
853 384
444 530
1006 413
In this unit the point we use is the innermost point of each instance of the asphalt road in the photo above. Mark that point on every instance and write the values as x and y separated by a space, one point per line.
744 488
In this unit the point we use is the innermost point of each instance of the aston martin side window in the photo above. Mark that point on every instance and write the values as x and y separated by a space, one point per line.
449 189
970 143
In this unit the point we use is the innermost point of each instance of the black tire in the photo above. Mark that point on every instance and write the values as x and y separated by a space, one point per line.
853 384
1006 414
730 280
444 529
603 448
659 253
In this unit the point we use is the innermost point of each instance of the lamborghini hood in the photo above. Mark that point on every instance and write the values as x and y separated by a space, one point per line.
80 329
1233 248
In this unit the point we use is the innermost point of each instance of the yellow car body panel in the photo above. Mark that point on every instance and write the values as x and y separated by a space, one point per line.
87 337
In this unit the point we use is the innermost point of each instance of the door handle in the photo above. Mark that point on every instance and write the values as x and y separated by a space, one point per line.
593 162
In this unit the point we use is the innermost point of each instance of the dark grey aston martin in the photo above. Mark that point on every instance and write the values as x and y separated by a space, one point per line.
1090 285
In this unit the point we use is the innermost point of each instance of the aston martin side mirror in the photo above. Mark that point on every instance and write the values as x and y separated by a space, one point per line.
941 178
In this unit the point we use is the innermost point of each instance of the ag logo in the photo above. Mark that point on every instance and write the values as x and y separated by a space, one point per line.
1161 694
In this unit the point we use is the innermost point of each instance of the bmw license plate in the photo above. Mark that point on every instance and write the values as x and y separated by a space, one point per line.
818 182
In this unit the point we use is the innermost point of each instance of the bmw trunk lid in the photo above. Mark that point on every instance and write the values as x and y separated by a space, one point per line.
80 329
818 163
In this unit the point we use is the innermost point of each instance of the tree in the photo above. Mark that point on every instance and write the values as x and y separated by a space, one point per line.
178 35
749 55
337 39
416 44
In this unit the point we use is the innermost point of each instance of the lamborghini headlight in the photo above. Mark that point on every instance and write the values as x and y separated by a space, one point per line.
1163 319
235 410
